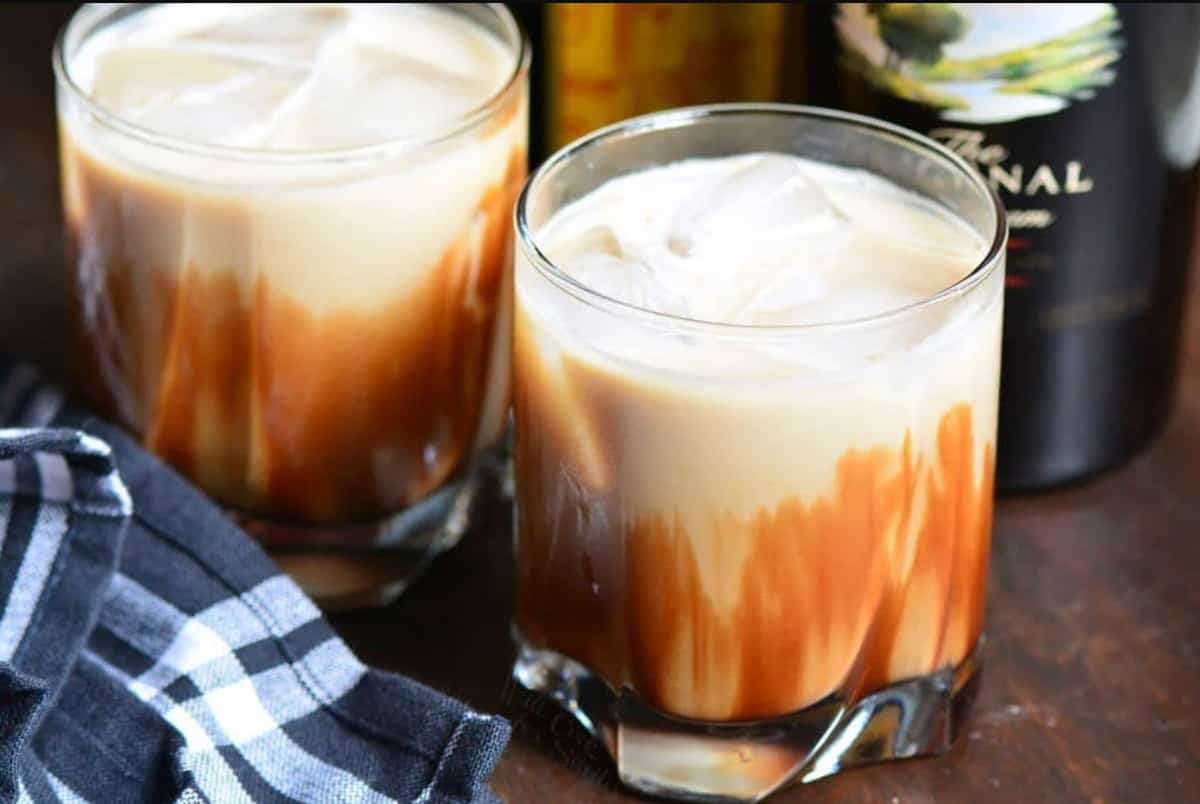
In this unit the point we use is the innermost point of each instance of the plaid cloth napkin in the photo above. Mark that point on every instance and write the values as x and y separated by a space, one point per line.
150 652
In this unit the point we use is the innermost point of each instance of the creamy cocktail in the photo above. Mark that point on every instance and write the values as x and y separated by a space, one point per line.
755 398
289 232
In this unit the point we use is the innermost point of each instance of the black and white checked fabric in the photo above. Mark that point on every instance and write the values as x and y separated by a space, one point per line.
150 652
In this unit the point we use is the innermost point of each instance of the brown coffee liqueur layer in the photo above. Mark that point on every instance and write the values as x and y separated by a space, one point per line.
880 581
275 410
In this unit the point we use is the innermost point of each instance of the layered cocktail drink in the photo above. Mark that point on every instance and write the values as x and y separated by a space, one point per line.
289 231
755 385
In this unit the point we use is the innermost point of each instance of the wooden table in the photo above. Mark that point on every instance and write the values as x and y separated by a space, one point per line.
1091 687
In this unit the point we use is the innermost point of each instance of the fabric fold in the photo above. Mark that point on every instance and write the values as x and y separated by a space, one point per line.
21 703
63 513
228 682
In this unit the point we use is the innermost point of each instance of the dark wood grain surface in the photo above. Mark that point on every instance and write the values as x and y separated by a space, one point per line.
1091 686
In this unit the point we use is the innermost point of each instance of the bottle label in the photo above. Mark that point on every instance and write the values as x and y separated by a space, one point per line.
1048 102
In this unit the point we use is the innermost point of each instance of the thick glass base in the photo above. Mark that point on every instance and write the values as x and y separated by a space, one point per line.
363 564
693 760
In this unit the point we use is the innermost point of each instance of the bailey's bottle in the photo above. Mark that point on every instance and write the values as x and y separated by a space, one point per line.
1085 119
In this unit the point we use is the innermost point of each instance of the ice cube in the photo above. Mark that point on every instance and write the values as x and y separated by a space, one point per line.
786 298
140 77
594 240
429 34
281 34
237 112
758 238
361 95
202 97
769 198
625 279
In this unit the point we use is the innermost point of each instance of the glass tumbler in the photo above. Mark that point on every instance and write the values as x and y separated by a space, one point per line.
317 338
752 555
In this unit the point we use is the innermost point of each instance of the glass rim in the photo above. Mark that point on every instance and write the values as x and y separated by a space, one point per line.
683 116
99 13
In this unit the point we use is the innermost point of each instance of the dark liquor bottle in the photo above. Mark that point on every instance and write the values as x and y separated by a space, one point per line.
1085 118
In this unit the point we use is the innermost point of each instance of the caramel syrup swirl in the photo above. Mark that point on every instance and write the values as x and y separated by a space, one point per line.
270 407
880 580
